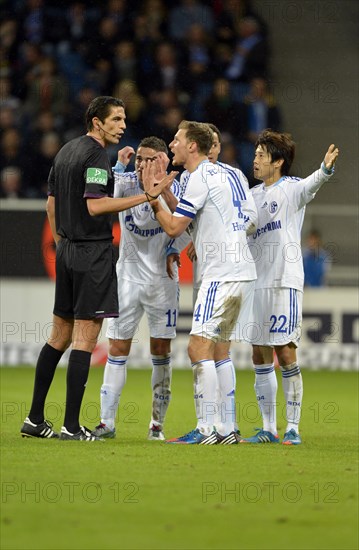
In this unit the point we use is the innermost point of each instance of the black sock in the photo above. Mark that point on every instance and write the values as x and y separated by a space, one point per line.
45 369
77 374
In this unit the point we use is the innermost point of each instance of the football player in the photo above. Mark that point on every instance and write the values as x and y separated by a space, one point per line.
281 201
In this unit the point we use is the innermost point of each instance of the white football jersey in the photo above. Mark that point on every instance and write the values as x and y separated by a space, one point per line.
276 244
142 253
248 208
213 199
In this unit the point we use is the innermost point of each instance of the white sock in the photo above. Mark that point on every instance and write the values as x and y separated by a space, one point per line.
293 392
205 385
161 388
217 419
226 379
266 386
114 379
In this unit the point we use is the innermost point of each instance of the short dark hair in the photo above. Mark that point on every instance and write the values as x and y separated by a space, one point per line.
216 131
101 107
200 133
279 146
153 142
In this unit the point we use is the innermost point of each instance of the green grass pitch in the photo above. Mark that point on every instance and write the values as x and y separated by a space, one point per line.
130 493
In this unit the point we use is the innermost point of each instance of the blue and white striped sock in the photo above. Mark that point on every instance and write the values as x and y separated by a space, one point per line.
266 386
114 379
293 392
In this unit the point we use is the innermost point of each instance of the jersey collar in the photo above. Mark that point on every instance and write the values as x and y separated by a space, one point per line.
267 187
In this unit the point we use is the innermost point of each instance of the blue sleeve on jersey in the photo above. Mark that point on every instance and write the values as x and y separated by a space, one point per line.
171 250
326 171
119 168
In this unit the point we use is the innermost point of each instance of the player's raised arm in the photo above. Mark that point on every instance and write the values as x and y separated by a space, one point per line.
309 186
124 155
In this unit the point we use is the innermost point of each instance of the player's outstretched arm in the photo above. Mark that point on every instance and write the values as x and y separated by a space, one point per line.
309 186
173 225
331 157
108 205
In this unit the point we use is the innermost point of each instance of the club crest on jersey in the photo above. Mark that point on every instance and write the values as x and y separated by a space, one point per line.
273 207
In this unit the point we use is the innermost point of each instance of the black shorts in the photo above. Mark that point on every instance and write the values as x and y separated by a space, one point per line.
86 281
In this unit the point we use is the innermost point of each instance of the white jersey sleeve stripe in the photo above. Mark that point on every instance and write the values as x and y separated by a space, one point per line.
235 190
233 178
170 244
177 189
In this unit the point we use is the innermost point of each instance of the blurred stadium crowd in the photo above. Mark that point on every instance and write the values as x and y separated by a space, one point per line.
168 60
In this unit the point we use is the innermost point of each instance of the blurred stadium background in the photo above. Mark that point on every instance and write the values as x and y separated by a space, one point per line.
172 60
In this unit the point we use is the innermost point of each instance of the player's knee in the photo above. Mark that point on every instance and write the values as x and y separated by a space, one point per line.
60 340
200 349
257 356
160 346
221 351
286 356
262 355
192 351
119 348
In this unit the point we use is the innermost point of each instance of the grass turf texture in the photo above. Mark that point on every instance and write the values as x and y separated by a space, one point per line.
132 493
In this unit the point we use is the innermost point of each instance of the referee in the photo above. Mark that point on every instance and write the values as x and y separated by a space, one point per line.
79 207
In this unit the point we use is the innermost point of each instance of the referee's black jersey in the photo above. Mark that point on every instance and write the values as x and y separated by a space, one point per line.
81 170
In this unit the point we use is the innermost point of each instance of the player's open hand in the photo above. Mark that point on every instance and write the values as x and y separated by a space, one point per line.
172 259
152 186
157 187
149 174
161 163
331 156
124 155
154 171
